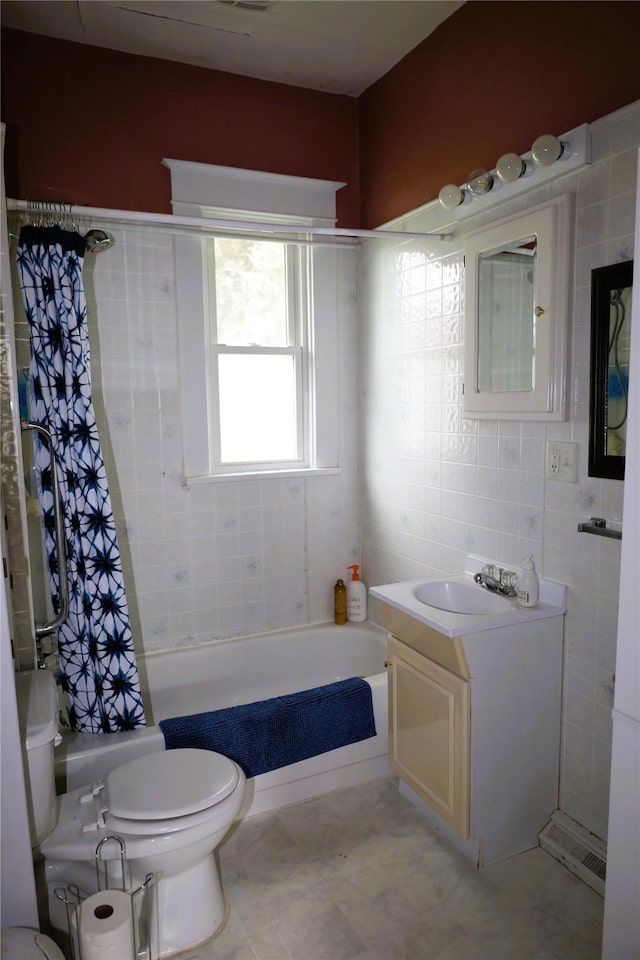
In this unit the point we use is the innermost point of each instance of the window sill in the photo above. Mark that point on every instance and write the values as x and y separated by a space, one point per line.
306 473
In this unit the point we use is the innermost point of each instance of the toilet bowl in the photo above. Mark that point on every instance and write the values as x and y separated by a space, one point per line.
162 814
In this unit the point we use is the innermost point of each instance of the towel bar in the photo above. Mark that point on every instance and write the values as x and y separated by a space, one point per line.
598 526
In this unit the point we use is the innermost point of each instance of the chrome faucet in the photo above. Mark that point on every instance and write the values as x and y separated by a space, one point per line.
498 580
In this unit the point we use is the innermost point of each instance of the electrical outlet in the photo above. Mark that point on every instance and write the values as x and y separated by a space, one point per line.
561 460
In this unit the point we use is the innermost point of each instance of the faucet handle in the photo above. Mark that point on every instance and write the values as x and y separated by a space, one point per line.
508 578
490 570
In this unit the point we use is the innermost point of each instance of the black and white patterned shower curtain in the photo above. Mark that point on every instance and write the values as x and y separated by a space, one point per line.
97 659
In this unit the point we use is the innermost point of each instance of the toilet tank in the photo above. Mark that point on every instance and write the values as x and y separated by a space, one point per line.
38 717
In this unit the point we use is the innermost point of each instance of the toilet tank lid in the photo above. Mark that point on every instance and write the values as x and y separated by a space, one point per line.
37 707
168 784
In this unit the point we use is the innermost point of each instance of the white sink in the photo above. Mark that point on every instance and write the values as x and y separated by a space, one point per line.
457 606
457 597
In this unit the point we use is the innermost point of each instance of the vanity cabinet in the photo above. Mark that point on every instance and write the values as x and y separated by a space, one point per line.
474 728
429 727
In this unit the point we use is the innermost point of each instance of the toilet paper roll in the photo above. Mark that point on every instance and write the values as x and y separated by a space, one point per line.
105 926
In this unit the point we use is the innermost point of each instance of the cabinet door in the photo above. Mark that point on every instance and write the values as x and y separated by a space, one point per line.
429 733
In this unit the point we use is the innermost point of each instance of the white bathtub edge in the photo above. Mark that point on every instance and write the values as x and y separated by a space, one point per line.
295 791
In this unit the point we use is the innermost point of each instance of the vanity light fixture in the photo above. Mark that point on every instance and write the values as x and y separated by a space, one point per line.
480 182
510 167
547 149
516 174
451 196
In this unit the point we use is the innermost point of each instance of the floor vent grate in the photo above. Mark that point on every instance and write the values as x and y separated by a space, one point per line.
577 849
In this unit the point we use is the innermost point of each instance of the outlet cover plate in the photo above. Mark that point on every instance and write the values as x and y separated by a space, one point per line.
561 461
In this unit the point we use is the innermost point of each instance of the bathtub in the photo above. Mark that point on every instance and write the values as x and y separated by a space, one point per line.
227 673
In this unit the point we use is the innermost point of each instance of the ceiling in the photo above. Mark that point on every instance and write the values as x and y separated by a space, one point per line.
339 46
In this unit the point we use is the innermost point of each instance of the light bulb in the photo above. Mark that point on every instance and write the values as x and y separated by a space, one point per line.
480 182
510 167
451 196
546 150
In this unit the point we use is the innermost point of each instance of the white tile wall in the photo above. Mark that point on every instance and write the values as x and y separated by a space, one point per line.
218 560
436 486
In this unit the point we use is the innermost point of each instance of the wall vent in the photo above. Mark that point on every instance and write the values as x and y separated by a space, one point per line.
579 851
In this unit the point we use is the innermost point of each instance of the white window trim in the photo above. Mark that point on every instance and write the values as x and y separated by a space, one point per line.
201 187
233 189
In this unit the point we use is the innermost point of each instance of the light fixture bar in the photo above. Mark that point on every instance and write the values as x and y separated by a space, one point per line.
576 153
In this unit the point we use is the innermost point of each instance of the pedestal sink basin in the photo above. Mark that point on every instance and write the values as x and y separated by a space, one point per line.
457 597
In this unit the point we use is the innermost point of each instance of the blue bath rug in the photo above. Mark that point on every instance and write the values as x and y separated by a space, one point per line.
270 734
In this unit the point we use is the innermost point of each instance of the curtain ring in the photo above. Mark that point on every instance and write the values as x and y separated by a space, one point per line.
50 213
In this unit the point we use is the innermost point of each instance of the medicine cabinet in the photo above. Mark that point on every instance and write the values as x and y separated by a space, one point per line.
516 306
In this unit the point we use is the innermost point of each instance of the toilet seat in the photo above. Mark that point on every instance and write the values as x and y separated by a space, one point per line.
157 794
145 828
170 785
83 820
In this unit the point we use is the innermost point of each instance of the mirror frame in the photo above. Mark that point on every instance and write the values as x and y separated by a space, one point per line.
603 281
550 222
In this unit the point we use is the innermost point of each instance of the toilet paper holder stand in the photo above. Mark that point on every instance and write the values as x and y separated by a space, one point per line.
71 897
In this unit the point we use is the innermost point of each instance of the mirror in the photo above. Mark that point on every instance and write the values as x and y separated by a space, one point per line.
506 304
516 289
611 290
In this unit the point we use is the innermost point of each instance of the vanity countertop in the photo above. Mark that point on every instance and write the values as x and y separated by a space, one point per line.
403 597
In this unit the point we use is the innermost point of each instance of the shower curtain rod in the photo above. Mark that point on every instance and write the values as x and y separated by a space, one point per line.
246 225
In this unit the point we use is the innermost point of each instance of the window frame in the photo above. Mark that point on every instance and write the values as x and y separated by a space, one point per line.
320 367
297 322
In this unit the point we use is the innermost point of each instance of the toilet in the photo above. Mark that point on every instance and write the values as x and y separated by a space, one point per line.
23 943
165 813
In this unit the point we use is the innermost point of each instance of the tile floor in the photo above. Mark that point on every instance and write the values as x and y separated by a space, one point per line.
359 874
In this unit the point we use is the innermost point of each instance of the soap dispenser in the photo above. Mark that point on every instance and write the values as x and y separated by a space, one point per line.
528 588
356 597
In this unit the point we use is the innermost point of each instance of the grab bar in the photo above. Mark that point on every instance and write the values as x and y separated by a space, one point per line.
43 629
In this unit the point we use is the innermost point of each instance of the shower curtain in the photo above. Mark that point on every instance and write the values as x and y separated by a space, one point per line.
97 659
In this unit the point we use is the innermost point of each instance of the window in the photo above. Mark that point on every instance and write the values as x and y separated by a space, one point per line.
258 328
258 354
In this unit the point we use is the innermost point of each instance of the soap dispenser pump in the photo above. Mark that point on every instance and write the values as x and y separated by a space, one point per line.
356 597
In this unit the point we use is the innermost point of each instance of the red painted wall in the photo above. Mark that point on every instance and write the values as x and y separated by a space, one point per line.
90 126
443 111
489 80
